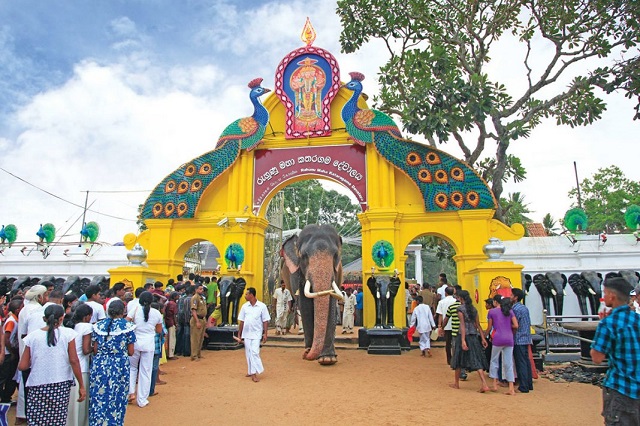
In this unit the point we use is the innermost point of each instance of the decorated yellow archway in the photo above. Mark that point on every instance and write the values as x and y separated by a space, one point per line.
311 126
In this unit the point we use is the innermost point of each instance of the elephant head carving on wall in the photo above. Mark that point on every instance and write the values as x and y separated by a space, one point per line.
231 291
584 292
549 291
311 264
384 290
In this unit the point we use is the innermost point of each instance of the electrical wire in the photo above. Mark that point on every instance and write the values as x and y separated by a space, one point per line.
67 201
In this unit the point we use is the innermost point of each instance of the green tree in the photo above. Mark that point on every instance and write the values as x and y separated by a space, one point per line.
605 197
549 224
514 209
308 202
437 79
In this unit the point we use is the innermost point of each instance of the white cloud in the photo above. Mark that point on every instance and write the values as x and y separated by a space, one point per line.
124 125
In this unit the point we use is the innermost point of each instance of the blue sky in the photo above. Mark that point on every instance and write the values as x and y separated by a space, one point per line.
112 95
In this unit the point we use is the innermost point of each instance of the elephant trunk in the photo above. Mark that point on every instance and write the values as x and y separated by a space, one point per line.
320 273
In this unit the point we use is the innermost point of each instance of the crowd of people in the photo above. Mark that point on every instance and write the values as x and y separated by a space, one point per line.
81 359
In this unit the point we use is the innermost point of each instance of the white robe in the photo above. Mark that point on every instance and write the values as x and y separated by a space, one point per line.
424 318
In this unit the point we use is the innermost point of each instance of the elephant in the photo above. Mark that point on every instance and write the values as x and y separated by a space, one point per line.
384 290
311 264
584 291
21 283
231 291
547 286
631 277
73 284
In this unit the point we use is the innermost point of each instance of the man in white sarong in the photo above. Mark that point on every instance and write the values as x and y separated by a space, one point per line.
349 312
423 316
253 322
282 299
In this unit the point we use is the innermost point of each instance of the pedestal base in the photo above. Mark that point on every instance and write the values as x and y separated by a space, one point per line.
222 338
381 341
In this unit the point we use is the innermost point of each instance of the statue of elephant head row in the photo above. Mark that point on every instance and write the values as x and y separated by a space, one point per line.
311 264
551 288
586 286
231 291
384 290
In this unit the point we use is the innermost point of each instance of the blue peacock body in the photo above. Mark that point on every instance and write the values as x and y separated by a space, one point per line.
445 182
178 194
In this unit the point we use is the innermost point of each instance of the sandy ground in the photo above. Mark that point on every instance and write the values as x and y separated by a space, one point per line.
359 389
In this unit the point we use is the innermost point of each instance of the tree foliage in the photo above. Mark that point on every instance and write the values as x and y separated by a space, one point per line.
308 202
549 224
437 78
514 209
605 198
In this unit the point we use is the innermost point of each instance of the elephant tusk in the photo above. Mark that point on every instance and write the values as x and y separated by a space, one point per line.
388 295
555 293
228 294
591 291
336 291
377 295
564 292
308 292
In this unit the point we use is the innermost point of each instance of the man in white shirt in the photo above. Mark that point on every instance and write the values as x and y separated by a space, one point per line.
441 311
349 312
443 284
253 322
424 318
282 299
95 301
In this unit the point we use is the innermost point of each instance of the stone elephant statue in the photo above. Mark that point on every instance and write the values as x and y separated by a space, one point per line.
585 292
551 288
311 265
384 290
231 291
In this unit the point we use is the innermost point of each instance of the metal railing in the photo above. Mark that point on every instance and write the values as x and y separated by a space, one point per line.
559 339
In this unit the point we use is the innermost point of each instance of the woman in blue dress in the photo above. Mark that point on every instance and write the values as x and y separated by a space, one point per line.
109 381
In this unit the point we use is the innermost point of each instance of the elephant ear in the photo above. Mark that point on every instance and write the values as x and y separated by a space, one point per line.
371 283
289 254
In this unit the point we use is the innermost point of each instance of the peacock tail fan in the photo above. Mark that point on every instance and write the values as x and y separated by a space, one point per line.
49 232
445 182
10 233
632 216
576 220
93 231
382 253
234 254
178 194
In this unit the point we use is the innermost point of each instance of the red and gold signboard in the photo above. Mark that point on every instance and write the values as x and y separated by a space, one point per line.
344 164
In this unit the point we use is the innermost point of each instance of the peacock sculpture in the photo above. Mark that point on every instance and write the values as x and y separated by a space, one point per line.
46 233
445 182
234 256
382 253
90 232
8 235
576 220
178 194
632 216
